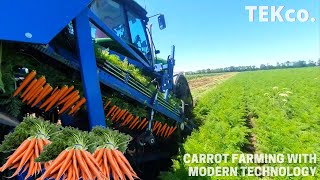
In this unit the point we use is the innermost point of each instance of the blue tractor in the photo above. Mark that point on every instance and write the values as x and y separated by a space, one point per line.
61 38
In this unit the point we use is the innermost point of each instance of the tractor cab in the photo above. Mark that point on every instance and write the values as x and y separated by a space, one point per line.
128 20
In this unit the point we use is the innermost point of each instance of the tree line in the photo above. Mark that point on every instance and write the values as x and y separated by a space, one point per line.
284 65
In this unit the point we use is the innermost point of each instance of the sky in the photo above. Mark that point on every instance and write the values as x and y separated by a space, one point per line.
217 33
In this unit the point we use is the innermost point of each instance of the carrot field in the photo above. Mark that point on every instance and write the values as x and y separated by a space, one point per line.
269 112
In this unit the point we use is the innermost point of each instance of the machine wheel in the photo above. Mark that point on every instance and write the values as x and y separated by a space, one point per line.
182 91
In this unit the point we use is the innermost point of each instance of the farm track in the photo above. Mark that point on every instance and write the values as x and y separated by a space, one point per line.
199 86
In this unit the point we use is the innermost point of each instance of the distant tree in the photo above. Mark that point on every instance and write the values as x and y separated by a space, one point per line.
319 62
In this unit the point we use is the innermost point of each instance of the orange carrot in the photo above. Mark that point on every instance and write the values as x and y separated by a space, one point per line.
169 134
122 165
28 88
78 105
141 123
116 114
56 162
155 125
75 167
145 124
121 114
70 96
134 121
167 131
105 163
56 98
36 94
16 155
41 81
65 163
163 129
125 114
94 169
124 159
113 163
25 82
111 110
83 165
159 128
66 92
50 99
69 104
128 119
105 107
55 89
134 125
46 90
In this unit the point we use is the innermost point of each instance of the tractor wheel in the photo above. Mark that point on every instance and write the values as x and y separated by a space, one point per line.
182 91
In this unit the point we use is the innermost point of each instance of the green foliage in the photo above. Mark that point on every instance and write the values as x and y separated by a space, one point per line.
282 106
112 139
124 65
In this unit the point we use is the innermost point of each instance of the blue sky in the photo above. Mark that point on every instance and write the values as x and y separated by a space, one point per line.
213 34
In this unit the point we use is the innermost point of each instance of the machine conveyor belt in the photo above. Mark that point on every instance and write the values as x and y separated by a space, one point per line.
115 78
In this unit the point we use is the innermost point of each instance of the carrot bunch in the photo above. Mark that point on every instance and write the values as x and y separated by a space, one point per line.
36 90
109 154
23 158
70 152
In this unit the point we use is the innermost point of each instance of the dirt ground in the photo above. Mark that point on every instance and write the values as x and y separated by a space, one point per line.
199 86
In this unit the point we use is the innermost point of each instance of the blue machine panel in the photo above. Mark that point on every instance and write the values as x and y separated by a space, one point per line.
37 21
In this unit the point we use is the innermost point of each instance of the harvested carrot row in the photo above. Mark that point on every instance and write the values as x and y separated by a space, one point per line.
25 82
